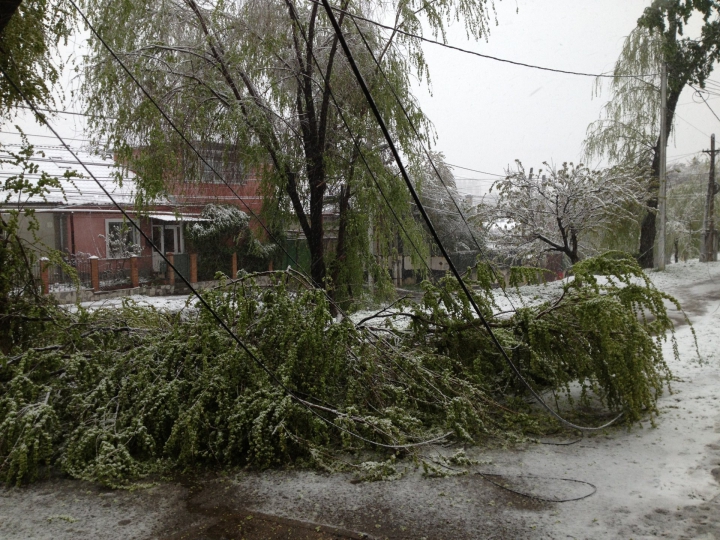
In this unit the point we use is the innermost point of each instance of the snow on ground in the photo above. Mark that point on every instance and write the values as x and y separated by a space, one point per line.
169 303
661 481
651 481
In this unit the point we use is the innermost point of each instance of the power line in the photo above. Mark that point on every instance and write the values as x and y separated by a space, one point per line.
426 218
466 51
691 125
475 170
308 405
705 102
44 136
74 113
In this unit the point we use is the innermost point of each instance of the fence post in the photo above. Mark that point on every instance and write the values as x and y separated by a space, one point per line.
234 265
193 268
170 272
94 273
45 274
134 274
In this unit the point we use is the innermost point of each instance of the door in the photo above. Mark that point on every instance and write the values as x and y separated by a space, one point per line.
157 238
168 238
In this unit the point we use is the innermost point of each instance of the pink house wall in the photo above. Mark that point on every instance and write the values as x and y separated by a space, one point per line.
87 227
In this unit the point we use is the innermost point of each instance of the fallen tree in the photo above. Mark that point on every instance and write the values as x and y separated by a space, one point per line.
114 395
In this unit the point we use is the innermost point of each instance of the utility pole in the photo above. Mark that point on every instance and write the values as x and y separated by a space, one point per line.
660 252
708 247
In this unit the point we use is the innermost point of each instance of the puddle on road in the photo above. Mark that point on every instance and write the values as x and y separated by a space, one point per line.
204 520
233 525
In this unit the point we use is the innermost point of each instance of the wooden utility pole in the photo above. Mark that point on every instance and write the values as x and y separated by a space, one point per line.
660 253
708 246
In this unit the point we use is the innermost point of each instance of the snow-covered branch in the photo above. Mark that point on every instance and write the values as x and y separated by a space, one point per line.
560 209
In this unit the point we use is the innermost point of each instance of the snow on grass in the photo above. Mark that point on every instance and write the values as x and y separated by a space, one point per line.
167 303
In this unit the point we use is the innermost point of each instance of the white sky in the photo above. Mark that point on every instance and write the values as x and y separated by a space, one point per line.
487 113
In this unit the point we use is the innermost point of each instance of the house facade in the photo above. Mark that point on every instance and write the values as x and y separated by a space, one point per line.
79 219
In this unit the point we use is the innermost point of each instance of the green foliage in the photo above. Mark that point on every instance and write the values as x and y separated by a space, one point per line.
604 331
27 47
223 232
123 393
113 395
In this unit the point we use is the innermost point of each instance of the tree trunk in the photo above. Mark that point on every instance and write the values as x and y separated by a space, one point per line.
646 255
341 248
7 10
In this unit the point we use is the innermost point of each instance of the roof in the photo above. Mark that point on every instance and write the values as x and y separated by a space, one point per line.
172 217
77 191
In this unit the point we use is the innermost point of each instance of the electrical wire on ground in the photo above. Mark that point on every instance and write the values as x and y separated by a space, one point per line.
488 477
309 406
433 232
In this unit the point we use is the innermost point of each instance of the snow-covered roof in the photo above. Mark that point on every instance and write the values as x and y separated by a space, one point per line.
77 191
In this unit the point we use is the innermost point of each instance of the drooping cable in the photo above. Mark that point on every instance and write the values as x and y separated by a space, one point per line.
474 53
433 232
311 407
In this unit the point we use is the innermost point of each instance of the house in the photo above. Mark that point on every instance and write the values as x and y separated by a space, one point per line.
81 221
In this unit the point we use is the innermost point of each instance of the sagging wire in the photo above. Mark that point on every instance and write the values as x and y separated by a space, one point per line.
426 218
309 406
474 53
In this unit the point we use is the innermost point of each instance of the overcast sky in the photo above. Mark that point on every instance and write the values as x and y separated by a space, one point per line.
487 113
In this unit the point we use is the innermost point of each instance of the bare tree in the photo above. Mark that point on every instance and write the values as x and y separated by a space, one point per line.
560 210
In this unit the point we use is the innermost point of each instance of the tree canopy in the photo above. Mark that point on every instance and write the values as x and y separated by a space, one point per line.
559 210
629 130
266 78
29 36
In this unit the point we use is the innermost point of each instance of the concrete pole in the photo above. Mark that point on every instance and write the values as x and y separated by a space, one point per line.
662 218
707 249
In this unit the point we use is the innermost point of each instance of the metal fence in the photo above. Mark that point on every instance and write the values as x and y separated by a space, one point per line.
112 273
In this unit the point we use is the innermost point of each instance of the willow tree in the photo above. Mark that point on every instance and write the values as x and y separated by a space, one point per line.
30 33
628 131
266 79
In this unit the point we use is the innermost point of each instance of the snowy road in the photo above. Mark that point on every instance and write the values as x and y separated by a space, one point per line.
651 482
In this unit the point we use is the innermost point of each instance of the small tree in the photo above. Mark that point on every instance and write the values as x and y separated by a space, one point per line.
560 211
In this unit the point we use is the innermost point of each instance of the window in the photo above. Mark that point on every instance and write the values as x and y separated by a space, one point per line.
121 239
